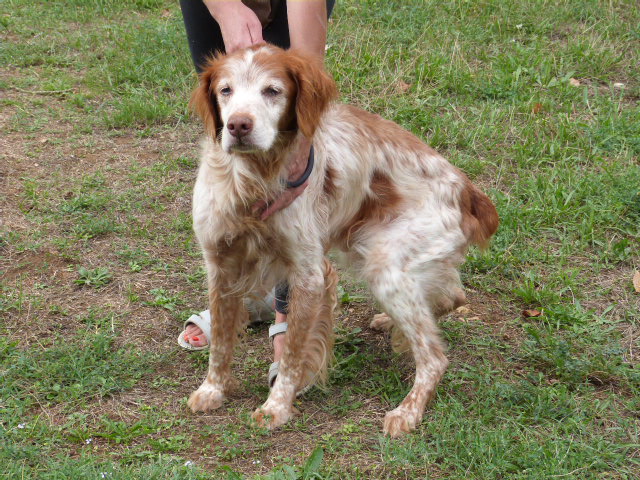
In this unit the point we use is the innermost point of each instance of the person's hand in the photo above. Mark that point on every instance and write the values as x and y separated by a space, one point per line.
240 27
296 168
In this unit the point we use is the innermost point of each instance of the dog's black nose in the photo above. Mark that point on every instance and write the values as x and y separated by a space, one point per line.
239 125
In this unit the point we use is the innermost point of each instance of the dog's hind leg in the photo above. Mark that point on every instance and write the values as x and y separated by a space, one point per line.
403 297
308 345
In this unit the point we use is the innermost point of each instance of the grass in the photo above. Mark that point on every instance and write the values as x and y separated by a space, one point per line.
537 101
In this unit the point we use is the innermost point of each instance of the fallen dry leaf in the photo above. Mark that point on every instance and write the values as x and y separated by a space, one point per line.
402 86
575 82
531 313
636 281
536 108
463 310
618 85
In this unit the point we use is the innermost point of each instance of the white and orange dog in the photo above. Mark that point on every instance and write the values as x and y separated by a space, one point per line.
402 213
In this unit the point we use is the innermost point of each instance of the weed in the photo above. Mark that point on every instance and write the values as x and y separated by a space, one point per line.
310 470
137 259
346 297
96 277
98 319
161 298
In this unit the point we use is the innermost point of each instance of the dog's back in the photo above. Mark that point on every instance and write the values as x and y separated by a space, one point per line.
375 173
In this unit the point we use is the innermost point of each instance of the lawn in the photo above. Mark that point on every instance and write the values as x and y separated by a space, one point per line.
538 101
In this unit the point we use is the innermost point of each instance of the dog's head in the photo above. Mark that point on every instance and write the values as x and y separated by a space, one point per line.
249 99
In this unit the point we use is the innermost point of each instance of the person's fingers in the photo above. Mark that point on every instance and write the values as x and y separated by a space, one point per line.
238 42
255 30
240 28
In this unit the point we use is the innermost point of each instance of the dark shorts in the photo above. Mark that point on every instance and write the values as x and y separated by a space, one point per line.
205 38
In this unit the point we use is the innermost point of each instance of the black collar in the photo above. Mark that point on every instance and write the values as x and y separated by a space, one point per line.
305 175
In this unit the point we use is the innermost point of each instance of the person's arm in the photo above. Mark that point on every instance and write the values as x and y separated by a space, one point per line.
240 27
308 26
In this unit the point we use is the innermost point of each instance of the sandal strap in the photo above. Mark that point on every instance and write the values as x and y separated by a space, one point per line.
277 329
273 373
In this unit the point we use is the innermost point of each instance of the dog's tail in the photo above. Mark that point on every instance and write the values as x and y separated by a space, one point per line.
479 216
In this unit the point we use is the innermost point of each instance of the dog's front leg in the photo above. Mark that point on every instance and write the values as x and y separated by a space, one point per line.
228 315
308 345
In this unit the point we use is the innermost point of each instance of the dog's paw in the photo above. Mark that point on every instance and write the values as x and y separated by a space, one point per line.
381 322
400 421
206 398
272 416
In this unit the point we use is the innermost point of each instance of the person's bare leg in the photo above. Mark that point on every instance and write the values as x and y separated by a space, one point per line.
279 340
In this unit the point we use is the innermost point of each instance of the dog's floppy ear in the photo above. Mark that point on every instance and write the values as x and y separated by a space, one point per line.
316 90
203 99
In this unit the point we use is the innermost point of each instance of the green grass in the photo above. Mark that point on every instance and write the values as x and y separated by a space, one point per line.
537 101
70 371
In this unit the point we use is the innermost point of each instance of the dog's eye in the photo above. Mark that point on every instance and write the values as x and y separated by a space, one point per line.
271 92
225 91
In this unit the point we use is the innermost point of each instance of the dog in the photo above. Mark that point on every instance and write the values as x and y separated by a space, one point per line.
403 216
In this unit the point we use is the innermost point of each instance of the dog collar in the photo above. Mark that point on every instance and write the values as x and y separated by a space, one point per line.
305 175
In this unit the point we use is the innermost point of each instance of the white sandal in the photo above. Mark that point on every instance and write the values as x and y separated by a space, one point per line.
203 321
259 311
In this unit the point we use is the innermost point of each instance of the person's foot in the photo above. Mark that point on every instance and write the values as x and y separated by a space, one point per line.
194 335
196 338
259 311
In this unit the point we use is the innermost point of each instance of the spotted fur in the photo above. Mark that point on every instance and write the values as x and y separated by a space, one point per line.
402 214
